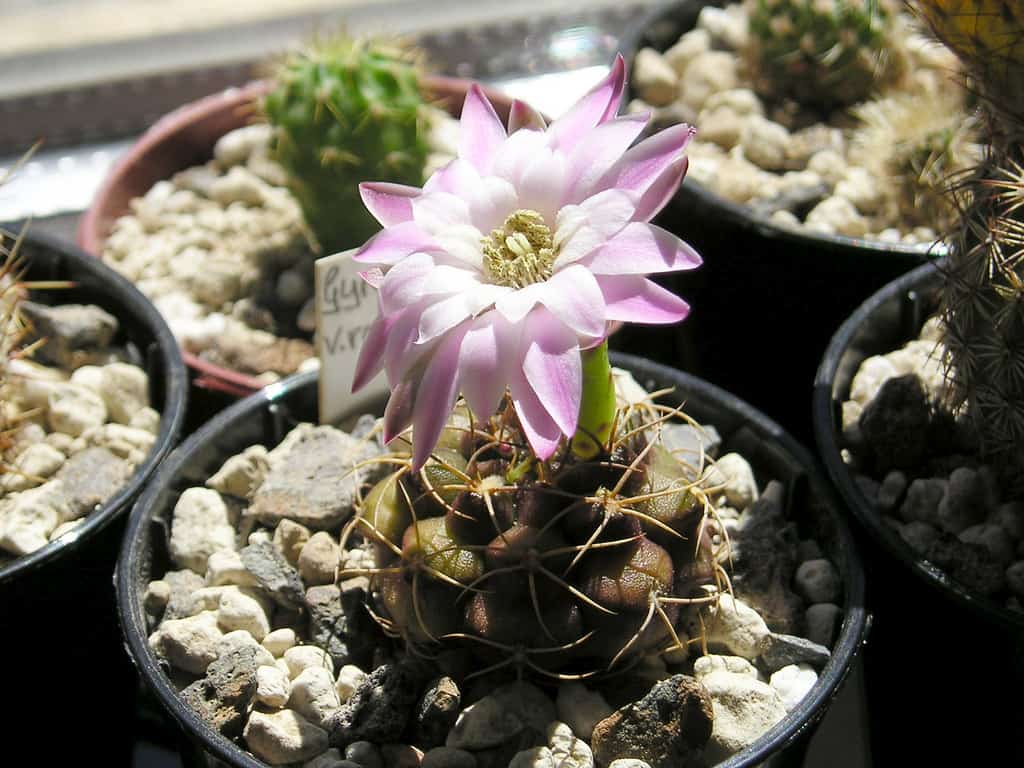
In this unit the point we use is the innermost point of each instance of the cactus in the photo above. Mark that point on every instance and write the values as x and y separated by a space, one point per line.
567 568
345 111
824 54
983 294
917 143
12 330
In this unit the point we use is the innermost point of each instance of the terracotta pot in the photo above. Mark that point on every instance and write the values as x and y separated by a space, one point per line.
268 415
185 137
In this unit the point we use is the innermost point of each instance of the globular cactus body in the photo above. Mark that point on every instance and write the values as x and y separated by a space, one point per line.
346 111
567 568
983 297
821 53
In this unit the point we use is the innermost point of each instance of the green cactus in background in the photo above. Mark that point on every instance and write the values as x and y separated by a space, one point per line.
821 53
346 111
567 568
983 296
917 143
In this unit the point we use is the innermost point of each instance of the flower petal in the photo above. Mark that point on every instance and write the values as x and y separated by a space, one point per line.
540 429
481 132
484 362
462 243
437 211
542 183
393 244
522 115
399 411
553 369
455 178
635 299
597 151
491 203
574 298
645 163
516 153
661 190
641 249
435 398
579 229
371 356
598 105
389 203
516 304
444 315
402 284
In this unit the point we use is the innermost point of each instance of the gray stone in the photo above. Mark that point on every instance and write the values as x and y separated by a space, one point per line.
818 581
91 477
1010 517
318 561
284 737
963 504
687 441
436 712
993 538
379 711
919 536
274 573
365 754
182 584
822 622
73 332
340 624
744 708
529 703
316 483
922 502
448 757
666 728
894 485
1015 578
222 698
778 651
485 723
970 564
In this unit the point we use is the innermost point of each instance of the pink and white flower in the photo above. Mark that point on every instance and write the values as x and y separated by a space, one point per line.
516 256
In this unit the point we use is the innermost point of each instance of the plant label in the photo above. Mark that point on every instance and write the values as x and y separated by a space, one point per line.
346 306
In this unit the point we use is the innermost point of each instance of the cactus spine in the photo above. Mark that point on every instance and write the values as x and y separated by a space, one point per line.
12 330
822 53
983 298
346 111
568 568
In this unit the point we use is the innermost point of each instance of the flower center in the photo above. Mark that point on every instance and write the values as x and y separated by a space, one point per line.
521 252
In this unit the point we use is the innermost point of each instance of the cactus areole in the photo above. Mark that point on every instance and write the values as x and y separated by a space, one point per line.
527 513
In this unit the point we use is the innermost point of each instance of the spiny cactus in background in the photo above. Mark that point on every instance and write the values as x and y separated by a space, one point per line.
822 53
567 568
12 331
346 110
917 143
983 297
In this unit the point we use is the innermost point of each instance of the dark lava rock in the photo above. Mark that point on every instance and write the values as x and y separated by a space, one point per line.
969 564
778 651
275 574
668 727
340 624
379 710
895 424
764 552
223 697
73 332
92 476
317 482
436 713
182 583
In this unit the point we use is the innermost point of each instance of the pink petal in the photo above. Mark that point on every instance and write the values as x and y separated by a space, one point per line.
401 353
597 151
390 204
516 304
372 277
371 356
491 203
399 411
641 249
634 299
522 115
437 211
483 362
541 430
574 298
552 367
481 132
456 178
447 313
580 229
462 243
598 105
517 152
645 164
435 398
393 244
542 183
402 284
661 190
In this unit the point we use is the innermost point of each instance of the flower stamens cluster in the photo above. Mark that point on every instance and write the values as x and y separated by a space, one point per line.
521 252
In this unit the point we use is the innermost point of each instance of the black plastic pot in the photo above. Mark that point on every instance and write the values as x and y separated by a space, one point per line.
767 298
57 604
265 418
909 597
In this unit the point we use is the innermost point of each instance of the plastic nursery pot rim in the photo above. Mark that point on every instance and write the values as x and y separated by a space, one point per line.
827 435
172 133
172 415
736 213
795 725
